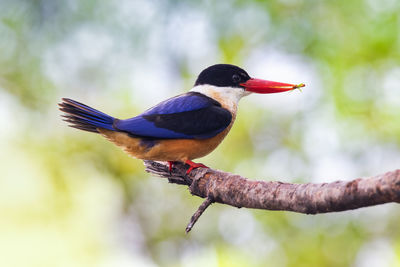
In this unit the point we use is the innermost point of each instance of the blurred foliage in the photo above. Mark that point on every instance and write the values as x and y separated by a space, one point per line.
69 198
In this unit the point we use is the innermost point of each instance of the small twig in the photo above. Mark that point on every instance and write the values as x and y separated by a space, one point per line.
209 200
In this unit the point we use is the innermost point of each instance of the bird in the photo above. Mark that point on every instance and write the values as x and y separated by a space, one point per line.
182 128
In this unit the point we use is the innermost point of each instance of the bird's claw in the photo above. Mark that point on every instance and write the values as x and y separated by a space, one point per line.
194 165
170 165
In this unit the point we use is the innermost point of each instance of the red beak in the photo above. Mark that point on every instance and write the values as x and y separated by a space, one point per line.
267 87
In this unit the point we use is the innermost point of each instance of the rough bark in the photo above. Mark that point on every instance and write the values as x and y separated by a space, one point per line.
308 198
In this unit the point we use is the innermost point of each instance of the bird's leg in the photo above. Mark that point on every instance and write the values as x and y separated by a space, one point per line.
170 165
194 165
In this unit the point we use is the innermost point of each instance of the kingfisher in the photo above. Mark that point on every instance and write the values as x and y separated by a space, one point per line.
182 128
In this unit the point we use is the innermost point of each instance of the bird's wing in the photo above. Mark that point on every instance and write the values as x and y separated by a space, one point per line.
190 116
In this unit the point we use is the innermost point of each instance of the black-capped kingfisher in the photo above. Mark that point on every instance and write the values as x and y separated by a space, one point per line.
184 127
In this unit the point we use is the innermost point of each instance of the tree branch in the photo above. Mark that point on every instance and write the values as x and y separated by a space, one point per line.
309 198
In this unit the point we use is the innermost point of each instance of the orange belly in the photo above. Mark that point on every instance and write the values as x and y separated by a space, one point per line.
165 149
170 149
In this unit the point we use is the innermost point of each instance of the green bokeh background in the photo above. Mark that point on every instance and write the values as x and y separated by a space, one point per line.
69 198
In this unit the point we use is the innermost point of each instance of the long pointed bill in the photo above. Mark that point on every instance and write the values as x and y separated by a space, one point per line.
268 87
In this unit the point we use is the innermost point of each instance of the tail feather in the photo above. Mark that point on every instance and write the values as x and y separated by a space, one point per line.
85 118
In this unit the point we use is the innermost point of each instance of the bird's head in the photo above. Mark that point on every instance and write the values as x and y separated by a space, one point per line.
233 81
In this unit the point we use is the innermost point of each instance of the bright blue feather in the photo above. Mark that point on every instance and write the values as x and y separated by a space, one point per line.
83 116
181 104
141 127
188 116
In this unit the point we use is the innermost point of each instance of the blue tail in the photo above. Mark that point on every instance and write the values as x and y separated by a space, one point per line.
85 118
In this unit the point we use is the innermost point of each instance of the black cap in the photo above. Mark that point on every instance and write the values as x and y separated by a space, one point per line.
222 75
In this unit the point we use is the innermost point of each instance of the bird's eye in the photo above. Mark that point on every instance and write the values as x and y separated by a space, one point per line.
236 78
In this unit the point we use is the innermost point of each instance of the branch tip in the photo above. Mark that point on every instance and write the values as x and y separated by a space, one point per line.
209 200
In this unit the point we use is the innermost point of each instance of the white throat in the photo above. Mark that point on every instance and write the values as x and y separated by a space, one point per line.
228 96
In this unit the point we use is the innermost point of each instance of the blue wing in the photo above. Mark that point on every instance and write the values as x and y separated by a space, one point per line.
189 116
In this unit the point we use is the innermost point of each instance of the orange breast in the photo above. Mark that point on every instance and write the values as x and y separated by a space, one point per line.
165 149
170 149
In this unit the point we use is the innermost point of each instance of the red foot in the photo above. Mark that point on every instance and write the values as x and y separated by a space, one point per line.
194 165
170 165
